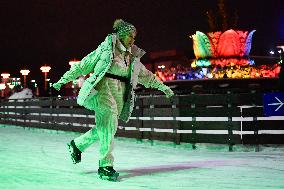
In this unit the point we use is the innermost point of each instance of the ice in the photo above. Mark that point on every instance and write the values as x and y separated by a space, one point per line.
38 158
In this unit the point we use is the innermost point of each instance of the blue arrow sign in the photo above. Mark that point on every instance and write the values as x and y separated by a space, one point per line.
273 104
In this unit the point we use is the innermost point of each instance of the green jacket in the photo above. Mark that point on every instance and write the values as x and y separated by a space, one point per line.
98 62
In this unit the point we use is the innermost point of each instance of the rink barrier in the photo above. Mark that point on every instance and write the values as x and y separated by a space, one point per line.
194 118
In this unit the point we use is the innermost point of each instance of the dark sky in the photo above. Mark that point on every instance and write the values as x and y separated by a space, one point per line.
38 32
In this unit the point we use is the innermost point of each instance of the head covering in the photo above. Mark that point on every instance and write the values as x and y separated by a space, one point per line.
122 27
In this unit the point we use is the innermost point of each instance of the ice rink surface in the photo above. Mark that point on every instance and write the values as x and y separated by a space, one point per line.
38 159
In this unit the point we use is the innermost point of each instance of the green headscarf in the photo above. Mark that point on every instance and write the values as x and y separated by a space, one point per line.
122 27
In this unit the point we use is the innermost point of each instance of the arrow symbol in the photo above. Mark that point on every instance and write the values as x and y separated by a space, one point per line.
279 104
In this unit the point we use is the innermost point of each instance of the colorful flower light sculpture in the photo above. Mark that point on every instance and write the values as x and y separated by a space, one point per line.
231 43
221 55
217 48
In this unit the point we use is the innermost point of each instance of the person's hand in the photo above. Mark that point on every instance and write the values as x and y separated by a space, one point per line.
168 92
57 86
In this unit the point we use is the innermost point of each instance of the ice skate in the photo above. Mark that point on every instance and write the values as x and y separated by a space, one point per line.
74 152
108 173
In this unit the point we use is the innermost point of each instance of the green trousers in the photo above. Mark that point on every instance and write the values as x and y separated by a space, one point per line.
108 106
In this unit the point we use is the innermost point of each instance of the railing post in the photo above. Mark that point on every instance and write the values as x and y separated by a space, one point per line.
25 112
151 118
193 124
139 138
256 135
176 124
229 115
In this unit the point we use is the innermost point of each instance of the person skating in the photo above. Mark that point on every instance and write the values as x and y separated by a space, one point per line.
116 70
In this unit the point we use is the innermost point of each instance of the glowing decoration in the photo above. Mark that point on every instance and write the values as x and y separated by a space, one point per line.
248 43
231 43
218 72
161 67
201 45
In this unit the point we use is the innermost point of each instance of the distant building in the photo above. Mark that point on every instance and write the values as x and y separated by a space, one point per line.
165 59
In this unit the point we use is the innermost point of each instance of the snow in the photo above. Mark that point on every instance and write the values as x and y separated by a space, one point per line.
23 94
38 158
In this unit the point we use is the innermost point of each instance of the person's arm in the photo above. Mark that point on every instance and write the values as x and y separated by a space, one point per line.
87 64
84 67
149 80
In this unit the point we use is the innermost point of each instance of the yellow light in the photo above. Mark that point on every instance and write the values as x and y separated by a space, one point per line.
25 72
45 69
2 86
5 75
11 86
72 62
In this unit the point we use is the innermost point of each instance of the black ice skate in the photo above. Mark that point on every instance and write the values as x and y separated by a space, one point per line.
74 152
108 173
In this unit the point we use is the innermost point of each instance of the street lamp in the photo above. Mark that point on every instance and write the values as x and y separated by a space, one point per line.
5 76
2 88
45 70
25 73
72 62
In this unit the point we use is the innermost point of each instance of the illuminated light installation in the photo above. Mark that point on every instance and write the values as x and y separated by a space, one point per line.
224 54
228 54
217 48
231 43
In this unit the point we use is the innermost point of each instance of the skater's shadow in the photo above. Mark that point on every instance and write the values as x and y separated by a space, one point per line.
140 171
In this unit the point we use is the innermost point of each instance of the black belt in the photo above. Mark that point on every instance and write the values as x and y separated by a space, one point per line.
120 78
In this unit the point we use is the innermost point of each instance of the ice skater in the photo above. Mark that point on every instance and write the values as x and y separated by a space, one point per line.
116 69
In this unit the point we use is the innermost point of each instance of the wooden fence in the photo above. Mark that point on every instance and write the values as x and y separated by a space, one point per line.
194 118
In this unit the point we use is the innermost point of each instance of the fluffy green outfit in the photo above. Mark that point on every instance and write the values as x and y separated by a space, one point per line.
106 96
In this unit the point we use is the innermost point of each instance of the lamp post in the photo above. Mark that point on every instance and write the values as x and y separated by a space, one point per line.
72 62
2 88
5 76
45 70
74 83
25 73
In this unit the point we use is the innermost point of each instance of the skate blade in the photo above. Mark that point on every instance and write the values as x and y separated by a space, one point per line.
113 178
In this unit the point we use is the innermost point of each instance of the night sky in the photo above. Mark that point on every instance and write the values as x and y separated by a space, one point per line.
52 32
